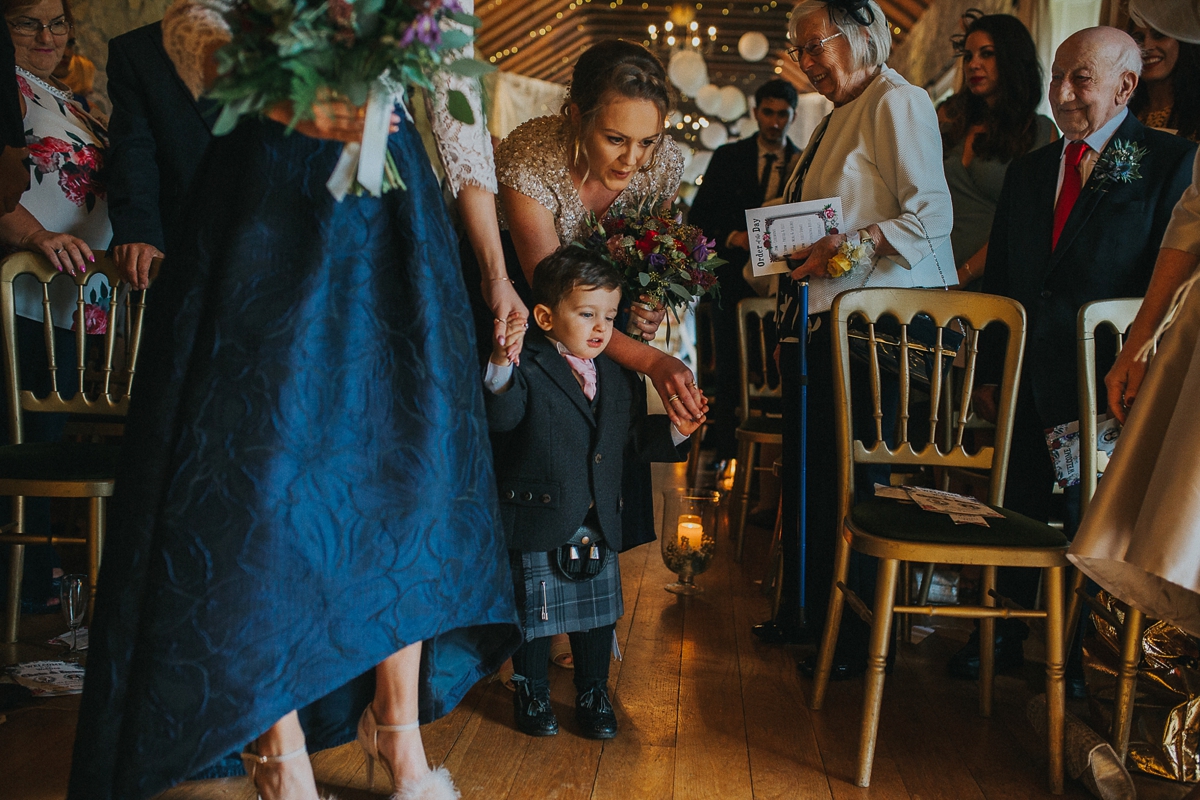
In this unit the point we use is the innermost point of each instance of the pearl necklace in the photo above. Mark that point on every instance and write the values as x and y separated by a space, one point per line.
54 90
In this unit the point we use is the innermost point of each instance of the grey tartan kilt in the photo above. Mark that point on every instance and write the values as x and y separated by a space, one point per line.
569 605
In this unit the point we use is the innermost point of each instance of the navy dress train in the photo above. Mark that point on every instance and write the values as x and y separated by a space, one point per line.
306 484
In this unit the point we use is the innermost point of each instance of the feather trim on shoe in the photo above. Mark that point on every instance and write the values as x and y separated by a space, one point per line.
437 785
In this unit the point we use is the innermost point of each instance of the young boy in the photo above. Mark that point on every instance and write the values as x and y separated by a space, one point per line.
562 421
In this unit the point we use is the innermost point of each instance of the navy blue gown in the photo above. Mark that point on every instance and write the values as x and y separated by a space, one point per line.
306 484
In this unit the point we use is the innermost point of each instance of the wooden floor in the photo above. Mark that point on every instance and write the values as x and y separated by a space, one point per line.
705 712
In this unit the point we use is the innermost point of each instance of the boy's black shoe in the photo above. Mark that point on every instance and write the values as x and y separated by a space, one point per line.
531 707
1009 653
594 713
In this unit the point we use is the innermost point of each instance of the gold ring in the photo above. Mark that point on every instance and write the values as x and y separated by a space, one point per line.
672 397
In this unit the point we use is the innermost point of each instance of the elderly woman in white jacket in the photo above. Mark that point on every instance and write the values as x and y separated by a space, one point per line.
879 151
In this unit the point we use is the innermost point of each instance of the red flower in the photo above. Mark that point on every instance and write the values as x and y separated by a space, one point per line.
49 153
95 319
342 13
645 244
25 88
89 157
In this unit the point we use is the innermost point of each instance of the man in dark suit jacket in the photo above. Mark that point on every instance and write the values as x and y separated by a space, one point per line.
1064 236
742 175
562 422
158 135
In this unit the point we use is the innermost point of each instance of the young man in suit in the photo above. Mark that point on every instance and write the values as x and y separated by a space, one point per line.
158 134
562 421
741 175
1072 226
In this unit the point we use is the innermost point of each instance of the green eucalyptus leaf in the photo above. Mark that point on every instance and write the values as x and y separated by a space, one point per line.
463 18
455 40
643 279
470 68
227 120
460 107
683 293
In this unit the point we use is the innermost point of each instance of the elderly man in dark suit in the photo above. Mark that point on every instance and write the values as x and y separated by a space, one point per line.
742 175
1073 225
158 135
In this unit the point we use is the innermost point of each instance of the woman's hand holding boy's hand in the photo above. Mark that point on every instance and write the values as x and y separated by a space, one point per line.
688 427
508 336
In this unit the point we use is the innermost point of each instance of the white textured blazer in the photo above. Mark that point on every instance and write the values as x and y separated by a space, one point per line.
882 154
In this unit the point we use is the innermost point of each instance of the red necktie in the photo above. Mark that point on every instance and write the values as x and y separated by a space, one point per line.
1071 186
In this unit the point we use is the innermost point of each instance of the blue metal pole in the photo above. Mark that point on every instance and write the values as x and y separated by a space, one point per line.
802 472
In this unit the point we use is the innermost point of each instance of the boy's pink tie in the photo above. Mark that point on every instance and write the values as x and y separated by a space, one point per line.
585 373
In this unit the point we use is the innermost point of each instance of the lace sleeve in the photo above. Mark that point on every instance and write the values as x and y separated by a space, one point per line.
190 28
466 150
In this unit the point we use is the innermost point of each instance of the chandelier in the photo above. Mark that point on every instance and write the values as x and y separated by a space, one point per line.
681 31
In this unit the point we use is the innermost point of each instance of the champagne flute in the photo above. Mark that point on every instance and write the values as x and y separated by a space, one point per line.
74 599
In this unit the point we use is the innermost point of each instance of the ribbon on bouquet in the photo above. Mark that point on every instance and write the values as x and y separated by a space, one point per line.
363 164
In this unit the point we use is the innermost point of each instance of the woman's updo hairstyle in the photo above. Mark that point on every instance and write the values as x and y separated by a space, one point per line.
615 67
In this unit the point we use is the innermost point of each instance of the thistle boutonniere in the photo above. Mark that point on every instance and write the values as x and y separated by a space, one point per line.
1120 162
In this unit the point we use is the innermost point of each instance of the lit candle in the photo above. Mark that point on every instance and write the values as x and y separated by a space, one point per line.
691 532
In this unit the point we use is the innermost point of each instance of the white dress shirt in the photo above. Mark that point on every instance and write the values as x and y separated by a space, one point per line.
1096 144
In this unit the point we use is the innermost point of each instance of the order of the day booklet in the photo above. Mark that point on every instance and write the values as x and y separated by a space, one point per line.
777 231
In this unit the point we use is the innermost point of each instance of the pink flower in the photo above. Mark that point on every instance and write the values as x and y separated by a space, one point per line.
829 213
80 185
95 319
49 153
25 88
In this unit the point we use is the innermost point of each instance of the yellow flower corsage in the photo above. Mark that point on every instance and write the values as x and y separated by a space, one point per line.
857 251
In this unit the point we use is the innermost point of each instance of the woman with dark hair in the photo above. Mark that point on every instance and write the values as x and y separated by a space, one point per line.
1168 95
990 121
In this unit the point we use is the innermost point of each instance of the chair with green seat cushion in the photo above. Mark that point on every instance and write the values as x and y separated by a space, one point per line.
100 387
759 424
898 532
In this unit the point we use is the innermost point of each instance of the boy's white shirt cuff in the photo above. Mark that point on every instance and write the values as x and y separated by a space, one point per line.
497 378
677 437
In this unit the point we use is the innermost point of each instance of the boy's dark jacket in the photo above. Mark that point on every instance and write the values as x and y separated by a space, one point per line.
555 452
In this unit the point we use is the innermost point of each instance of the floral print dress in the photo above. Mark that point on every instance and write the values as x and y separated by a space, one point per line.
66 194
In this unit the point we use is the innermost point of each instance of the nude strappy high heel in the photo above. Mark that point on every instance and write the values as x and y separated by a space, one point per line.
435 785
253 762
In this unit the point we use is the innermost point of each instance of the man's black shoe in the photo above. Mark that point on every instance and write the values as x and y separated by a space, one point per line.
775 631
1076 688
594 713
531 707
1009 654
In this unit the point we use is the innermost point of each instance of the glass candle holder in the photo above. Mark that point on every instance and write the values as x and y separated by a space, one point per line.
689 535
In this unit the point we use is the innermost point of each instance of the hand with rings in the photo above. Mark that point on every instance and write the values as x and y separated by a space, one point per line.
688 426
65 252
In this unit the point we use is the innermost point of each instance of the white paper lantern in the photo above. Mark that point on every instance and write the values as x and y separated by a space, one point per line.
753 46
688 154
698 166
745 127
688 71
714 136
675 118
733 103
708 99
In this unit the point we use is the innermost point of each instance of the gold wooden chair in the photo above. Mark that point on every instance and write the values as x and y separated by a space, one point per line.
756 427
895 532
1114 316
100 389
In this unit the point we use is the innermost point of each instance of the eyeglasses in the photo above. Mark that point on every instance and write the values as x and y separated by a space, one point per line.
813 47
32 27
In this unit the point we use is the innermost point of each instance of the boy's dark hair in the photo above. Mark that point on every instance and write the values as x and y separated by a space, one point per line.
570 266
778 89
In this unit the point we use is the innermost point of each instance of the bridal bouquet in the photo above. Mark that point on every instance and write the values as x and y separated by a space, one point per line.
659 256
365 51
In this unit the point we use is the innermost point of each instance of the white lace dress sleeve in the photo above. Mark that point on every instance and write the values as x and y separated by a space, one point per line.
466 150
190 28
